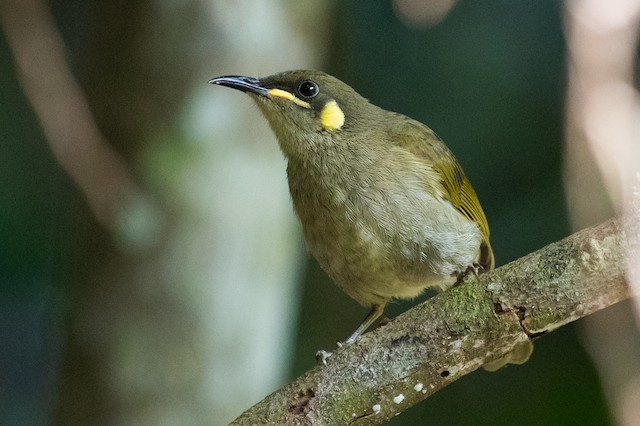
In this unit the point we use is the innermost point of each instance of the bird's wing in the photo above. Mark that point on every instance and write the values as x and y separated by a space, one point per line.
421 141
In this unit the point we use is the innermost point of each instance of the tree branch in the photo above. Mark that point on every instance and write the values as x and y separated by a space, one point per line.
452 334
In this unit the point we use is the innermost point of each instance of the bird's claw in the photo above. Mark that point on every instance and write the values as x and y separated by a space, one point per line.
322 356
474 269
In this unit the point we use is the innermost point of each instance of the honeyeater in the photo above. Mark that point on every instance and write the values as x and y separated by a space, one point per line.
384 205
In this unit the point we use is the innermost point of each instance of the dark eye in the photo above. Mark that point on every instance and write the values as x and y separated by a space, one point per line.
308 89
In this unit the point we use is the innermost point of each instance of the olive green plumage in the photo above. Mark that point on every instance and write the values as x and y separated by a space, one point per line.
385 206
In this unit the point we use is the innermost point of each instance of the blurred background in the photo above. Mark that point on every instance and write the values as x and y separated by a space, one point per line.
151 269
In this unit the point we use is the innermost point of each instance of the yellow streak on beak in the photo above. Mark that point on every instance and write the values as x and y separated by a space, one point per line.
278 93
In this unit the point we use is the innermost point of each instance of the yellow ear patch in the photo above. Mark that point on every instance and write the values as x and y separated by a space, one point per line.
332 117
279 93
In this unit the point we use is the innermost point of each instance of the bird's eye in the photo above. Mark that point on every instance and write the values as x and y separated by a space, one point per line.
308 89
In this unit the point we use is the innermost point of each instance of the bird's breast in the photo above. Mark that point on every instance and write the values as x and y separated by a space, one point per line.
378 232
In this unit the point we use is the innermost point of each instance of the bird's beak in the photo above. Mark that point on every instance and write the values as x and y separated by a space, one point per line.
244 84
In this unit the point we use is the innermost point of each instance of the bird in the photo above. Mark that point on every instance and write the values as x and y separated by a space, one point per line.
384 205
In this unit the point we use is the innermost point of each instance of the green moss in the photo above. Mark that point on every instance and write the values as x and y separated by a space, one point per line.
466 307
352 398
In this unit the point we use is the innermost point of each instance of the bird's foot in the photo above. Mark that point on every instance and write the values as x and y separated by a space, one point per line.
374 314
473 269
322 356
476 268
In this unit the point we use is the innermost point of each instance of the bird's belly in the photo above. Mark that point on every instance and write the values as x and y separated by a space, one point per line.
379 251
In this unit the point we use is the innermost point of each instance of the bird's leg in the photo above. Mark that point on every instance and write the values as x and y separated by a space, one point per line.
372 316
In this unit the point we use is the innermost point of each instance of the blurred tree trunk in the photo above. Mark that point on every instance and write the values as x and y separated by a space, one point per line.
601 169
191 319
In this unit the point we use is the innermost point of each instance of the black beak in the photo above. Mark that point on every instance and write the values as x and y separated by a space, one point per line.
244 84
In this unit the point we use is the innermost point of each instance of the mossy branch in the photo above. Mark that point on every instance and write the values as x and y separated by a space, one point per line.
452 334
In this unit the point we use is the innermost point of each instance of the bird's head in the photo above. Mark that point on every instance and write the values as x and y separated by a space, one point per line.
305 109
